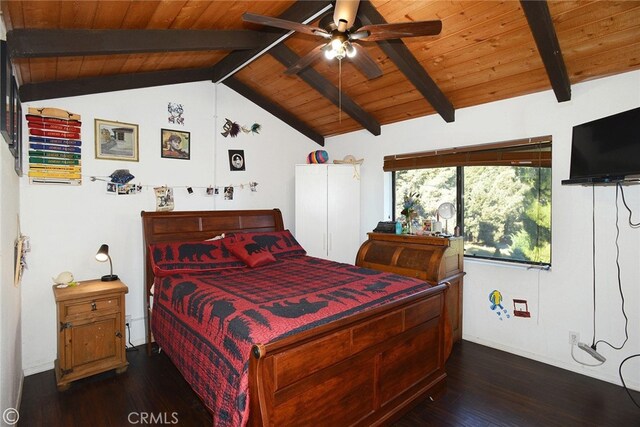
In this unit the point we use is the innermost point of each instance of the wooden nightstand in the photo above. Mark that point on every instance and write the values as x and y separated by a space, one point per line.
91 335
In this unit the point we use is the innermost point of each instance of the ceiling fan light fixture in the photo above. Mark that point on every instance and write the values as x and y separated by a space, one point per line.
337 48
349 49
329 53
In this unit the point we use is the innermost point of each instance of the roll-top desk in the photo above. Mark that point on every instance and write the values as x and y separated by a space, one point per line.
433 259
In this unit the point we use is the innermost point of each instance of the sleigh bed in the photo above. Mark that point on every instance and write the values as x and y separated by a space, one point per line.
316 342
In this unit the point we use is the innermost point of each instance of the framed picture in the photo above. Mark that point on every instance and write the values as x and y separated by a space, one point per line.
5 92
13 120
15 126
116 140
17 146
236 160
175 144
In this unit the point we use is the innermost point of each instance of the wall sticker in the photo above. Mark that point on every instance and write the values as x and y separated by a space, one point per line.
521 308
495 297
175 113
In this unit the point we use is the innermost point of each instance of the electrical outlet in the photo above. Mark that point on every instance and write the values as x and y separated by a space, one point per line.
574 338
127 319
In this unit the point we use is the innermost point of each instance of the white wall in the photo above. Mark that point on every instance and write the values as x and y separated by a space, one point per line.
10 328
560 300
270 157
68 224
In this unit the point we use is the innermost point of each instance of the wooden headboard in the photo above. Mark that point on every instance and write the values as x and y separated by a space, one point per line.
190 226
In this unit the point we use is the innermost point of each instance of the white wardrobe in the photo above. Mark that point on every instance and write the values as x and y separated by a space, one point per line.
328 210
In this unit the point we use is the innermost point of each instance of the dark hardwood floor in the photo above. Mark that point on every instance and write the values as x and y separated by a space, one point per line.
485 387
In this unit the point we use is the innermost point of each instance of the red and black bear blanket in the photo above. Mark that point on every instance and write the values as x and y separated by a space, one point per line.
207 319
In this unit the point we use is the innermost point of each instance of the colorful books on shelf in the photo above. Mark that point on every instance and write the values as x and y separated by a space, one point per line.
55 146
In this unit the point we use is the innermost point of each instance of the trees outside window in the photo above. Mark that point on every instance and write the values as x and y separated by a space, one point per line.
505 211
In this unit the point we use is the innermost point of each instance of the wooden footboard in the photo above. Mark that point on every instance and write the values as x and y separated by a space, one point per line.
364 370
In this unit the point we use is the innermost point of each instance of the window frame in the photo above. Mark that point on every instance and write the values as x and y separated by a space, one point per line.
475 155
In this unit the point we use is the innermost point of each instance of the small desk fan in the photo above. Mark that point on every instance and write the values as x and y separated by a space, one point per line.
447 211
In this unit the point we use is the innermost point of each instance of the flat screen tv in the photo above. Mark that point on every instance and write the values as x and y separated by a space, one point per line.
606 150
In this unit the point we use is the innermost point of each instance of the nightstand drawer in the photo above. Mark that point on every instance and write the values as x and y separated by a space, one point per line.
102 305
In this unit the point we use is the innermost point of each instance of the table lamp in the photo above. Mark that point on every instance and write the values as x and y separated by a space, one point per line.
102 256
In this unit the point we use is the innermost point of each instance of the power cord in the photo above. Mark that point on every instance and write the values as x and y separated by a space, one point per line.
619 190
626 319
622 379
593 258
631 224
129 347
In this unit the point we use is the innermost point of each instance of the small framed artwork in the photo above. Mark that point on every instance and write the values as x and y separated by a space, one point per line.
236 160
175 144
17 146
5 93
116 140
15 126
13 119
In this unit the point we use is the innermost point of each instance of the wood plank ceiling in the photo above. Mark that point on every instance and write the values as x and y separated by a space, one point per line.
487 50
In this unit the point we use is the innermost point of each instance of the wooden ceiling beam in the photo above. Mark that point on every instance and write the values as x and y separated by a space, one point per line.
274 109
298 12
544 33
34 43
91 85
400 54
287 57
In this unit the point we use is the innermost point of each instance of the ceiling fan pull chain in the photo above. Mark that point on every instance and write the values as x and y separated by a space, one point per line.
340 91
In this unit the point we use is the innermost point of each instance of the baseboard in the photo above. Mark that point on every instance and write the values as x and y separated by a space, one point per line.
37 369
19 399
578 369
49 365
138 342
137 332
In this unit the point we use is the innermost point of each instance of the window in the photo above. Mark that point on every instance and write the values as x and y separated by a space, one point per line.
502 194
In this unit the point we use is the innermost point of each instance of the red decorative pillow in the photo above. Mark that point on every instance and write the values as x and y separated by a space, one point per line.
188 257
250 252
280 243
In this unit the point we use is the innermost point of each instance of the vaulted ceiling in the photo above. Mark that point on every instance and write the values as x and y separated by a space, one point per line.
486 51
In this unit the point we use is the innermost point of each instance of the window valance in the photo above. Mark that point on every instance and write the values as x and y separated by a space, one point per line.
534 152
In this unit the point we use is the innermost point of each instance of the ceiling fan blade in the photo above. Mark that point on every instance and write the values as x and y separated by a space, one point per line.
365 63
284 24
398 30
345 10
306 60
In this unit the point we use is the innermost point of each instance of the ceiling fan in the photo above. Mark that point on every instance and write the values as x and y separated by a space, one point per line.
340 34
